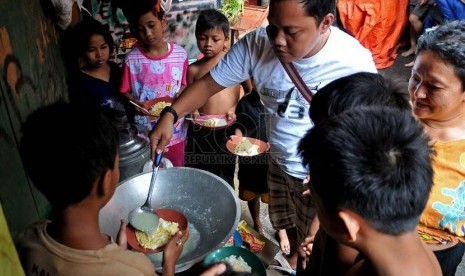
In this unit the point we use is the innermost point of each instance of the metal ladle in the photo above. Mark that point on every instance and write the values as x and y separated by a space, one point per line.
144 218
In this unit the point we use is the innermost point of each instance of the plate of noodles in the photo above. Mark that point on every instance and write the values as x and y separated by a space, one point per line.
213 121
245 146
155 106
239 259
171 221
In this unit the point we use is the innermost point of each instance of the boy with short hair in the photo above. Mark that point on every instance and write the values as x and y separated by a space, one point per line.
71 156
371 177
326 256
357 90
212 34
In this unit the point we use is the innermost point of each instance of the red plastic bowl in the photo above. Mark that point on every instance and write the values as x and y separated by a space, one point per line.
166 214
148 104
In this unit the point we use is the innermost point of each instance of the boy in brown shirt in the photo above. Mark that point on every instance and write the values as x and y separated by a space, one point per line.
71 156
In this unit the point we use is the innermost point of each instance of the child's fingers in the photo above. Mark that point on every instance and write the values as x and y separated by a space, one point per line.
306 246
121 238
217 269
306 193
180 238
231 116
185 235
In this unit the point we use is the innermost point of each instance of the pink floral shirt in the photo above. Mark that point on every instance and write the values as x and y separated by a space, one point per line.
154 77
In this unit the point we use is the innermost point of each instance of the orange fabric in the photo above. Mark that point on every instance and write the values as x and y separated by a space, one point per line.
377 24
443 219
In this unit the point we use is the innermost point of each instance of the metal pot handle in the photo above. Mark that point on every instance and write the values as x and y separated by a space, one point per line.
149 164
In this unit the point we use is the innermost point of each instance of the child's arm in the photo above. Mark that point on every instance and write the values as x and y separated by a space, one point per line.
238 132
314 226
306 247
184 81
121 238
191 73
125 88
172 252
247 86
191 77
217 269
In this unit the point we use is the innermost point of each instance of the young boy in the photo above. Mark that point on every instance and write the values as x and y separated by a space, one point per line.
326 256
300 32
253 170
206 148
71 156
371 177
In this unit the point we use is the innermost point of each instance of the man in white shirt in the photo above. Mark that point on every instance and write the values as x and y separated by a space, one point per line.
300 32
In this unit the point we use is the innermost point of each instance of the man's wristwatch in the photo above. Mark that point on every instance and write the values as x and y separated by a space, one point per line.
172 111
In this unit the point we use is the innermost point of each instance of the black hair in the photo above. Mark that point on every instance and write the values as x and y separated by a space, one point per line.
448 42
316 8
359 89
211 19
375 161
140 8
65 149
319 9
82 32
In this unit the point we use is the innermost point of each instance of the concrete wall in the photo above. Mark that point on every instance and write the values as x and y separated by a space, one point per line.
32 75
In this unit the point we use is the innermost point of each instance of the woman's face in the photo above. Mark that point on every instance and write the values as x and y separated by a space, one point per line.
435 90
98 51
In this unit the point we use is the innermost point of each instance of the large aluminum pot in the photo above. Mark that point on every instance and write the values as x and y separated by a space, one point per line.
211 206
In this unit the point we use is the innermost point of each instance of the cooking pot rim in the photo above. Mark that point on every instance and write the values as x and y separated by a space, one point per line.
188 264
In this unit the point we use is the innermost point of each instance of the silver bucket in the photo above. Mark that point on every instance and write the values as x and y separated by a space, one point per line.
211 206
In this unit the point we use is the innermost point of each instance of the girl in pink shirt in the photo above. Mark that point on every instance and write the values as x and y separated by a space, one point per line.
154 69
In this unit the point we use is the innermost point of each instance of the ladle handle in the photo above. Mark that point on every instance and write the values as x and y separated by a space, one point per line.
156 164
158 158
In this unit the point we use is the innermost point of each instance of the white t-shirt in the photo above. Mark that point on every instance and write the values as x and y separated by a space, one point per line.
253 56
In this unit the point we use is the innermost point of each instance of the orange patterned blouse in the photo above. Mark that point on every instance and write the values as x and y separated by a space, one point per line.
443 219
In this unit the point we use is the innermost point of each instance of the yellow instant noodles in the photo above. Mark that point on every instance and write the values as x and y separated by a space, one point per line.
210 122
156 109
159 237
245 147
